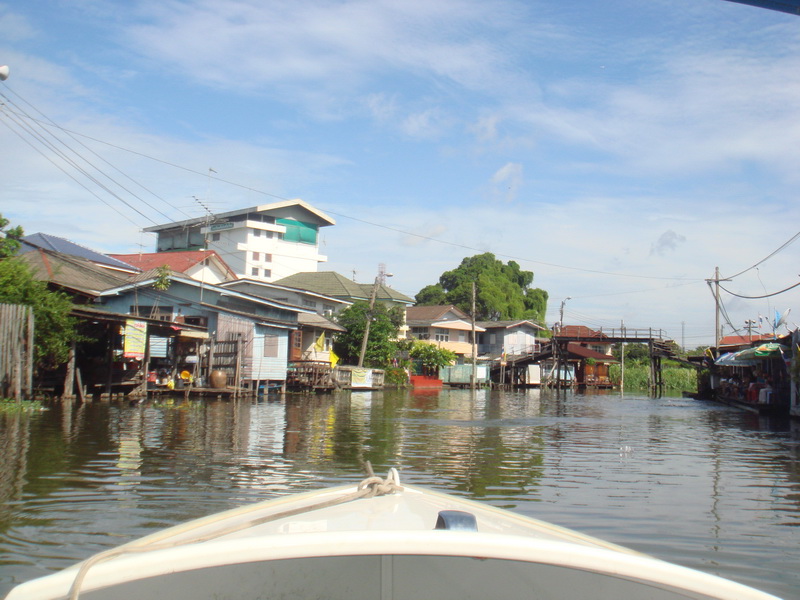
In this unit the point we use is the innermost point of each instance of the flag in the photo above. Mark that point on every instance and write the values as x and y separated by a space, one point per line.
334 359
319 345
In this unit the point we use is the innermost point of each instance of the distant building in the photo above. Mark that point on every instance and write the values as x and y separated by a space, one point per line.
335 285
202 265
444 326
266 242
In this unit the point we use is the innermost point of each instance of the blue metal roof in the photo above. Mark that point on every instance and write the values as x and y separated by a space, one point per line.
788 6
57 244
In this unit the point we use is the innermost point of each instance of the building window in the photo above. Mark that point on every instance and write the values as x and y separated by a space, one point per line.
267 273
442 335
254 271
267 257
462 336
328 308
309 303
255 256
268 234
256 233
421 333
215 237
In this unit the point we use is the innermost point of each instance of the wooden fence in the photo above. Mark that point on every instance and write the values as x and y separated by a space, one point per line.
16 351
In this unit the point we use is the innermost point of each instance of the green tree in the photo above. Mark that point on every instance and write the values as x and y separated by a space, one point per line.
430 355
502 290
9 238
382 343
54 328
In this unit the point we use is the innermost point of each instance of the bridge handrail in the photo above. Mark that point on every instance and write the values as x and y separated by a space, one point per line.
643 334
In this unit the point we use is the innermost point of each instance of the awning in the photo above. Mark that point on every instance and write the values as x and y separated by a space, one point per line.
733 359
750 357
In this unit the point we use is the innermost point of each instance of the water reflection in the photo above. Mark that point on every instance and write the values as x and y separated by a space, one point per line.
699 484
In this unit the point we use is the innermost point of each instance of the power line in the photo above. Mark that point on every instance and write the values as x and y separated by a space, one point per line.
380 225
760 297
766 258
43 134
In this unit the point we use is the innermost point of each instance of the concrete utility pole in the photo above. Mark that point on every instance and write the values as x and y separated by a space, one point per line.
474 376
561 317
369 319
716 280
381 278
750 323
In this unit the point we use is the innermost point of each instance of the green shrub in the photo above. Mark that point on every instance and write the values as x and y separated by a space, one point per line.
637 377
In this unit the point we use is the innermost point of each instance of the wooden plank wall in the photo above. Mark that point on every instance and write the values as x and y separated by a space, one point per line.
16 351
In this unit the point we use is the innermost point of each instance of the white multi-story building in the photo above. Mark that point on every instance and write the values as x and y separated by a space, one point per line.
267 242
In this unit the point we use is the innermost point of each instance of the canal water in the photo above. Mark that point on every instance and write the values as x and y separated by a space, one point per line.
695 483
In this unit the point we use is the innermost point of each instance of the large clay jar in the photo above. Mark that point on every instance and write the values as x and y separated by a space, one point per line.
218 379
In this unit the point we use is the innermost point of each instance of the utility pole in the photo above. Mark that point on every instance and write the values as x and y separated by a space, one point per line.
716 281
379 280
622 360
749 323
369 318
474 376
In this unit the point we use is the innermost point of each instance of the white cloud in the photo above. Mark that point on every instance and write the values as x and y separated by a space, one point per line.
507 182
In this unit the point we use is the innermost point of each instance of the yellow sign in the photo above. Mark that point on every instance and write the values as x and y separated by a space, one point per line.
135 339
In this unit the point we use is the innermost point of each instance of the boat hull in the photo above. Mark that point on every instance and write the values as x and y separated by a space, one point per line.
383 547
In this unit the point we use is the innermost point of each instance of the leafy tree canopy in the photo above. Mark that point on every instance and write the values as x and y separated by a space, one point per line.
382 343
9 238
502 290
54 328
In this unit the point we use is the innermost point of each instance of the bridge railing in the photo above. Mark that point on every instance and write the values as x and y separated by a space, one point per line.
642 334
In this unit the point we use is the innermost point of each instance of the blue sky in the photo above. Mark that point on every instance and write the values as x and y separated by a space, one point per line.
620 150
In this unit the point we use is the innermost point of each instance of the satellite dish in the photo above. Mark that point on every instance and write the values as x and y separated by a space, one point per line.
3 72
782 320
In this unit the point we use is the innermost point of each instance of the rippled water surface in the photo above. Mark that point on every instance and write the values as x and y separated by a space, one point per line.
699 484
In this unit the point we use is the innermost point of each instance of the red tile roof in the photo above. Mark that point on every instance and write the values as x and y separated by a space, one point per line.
579 331
180 262
744 340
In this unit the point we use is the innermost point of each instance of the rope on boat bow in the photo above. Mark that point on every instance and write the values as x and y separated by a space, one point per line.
370 487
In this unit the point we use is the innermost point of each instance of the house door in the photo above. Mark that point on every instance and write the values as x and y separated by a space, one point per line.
296 352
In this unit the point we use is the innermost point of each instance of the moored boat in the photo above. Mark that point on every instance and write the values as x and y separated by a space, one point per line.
381 540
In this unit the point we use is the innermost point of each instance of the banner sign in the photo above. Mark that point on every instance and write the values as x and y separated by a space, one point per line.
135 339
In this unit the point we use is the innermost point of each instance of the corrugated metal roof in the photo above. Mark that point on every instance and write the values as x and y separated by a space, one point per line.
318 321
73 272
584 352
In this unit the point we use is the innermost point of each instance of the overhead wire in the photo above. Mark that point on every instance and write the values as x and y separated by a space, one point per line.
42 133
83 171
770 255
791 287
80 183
380 225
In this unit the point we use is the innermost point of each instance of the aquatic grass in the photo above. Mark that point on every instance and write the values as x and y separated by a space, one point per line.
10 406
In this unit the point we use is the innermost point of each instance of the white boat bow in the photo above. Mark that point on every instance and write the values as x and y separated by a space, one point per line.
377 540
